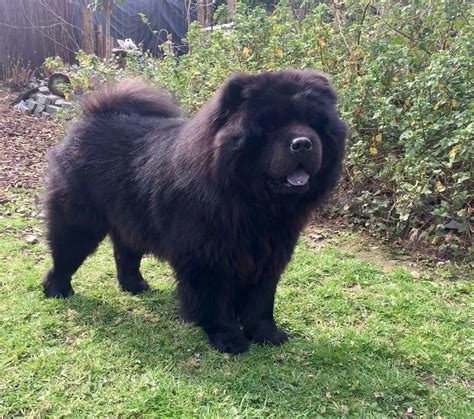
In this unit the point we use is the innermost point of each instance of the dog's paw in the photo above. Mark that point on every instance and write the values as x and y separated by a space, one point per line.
232 343
266 333
55 289
134 287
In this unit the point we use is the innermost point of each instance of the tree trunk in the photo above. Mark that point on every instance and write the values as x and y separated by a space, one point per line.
108 47
100 41
87 26
204 12
231 6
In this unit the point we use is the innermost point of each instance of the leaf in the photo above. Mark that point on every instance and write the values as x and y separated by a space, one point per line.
246 52
378 138
397 40
453 225
453 151
143 18
405 216
462 228
438 104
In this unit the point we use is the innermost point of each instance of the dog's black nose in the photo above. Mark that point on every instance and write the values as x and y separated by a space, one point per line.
301 144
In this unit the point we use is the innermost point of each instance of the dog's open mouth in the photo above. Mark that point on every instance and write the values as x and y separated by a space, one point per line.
297 182
298 178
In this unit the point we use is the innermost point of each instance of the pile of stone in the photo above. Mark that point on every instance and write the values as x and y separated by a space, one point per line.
44 104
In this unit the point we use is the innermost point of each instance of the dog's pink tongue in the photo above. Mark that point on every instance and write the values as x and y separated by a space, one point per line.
298 178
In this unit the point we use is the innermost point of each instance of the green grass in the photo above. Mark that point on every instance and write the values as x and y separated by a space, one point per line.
363 342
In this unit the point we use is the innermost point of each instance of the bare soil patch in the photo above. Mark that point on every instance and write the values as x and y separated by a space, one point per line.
326 229
24 143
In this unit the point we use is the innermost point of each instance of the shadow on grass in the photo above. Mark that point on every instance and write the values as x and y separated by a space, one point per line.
151 325
306 370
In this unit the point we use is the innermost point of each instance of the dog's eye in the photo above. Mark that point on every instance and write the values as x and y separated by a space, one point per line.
318 121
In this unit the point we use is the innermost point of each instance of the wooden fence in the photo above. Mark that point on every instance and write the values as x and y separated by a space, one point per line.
31 30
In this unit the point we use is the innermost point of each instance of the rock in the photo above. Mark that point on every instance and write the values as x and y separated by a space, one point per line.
31 105
52 109
32 239
47 99
39 108
51 99
22 106
63 103
317 236
41 98
43 104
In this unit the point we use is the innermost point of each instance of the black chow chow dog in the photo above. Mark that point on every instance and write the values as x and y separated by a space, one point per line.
222 197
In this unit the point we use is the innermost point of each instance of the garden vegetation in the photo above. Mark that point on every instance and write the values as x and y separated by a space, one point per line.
404 73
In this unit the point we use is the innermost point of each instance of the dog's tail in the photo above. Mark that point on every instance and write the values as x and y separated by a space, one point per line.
131 97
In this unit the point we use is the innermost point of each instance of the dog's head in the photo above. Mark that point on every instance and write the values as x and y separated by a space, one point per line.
279 131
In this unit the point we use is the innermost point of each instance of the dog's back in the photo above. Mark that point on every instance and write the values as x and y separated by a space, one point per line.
93 185
131 97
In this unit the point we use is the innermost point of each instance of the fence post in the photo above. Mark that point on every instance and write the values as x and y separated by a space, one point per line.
87 30
99 40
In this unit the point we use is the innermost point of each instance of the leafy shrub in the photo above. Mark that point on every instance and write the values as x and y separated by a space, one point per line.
404 75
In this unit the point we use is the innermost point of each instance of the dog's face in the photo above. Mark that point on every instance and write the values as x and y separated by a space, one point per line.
292 157
283 131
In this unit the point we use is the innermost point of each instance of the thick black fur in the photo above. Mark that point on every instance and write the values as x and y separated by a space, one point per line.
210 195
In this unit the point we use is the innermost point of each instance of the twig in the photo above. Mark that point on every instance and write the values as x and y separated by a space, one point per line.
362 21
64 23
44 33
405 35
340 31
31 27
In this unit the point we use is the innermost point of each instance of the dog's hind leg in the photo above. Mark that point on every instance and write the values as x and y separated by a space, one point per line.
128 267
70 245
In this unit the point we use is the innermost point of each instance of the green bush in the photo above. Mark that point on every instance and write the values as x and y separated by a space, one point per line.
404 75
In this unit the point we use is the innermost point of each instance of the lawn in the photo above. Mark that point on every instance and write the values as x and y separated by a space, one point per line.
366 338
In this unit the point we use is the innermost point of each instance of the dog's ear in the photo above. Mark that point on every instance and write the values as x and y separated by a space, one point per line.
320 86
232 92
317 76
